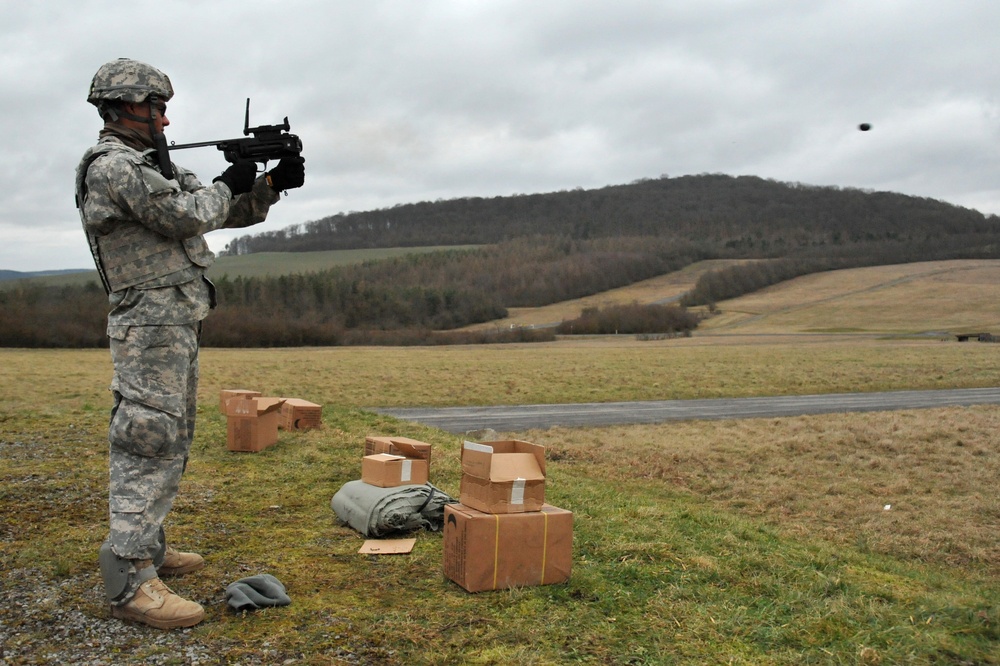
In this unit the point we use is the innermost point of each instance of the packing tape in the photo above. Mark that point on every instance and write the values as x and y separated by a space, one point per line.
496 546
496 550
482 448
545 545
517 492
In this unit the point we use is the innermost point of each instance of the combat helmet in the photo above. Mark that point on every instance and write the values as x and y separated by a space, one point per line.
126 80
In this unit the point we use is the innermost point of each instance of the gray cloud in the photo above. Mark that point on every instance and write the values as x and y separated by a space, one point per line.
398 101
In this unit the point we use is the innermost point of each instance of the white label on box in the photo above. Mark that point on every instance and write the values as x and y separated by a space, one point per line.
482 448
407 473
517 492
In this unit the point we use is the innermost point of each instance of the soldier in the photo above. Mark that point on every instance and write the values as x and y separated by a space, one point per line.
146 232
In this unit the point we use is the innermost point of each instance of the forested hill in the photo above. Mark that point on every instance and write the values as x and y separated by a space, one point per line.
746 214
534 250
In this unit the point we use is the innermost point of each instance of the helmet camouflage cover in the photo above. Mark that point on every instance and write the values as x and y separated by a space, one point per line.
128 81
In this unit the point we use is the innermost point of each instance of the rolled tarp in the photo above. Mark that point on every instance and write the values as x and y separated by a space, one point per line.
378 512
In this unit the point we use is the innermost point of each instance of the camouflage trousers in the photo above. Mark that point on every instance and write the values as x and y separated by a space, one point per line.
152 424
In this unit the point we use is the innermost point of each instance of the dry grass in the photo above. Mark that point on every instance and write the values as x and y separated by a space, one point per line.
950 296
663 288
830 476
591 370
748 542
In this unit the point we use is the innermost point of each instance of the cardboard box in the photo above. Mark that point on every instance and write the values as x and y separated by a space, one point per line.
386 470
503 477
226 394
490 551
399 446
299 414
252 423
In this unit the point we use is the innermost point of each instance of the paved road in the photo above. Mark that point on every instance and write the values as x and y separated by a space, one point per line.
524 417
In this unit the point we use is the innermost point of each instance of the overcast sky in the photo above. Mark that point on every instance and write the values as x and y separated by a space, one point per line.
399 101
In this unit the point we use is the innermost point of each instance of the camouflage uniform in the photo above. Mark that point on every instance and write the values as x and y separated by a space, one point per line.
147 236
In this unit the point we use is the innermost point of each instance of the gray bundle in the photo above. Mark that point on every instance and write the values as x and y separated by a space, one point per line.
376 512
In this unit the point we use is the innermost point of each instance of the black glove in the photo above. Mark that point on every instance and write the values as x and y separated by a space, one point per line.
289 174
240 176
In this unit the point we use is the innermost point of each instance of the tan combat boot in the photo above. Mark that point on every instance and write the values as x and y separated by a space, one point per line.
158 606
176 563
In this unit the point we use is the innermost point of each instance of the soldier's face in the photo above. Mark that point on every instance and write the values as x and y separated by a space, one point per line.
141 110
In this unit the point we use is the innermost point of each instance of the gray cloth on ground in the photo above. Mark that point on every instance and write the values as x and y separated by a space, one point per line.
376 512
256 592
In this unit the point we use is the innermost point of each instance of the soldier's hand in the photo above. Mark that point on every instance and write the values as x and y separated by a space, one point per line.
289 174
239 177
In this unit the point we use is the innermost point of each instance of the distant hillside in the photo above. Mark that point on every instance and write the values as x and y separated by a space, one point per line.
262 264
743 216
19 275
527 252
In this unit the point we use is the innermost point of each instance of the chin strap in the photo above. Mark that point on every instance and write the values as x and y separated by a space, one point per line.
158 138
159 141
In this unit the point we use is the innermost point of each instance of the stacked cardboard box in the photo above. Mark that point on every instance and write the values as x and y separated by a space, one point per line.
386 470
503 534
495 551
395 461
503 477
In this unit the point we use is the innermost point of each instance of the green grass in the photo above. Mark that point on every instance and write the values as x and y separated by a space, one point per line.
676 567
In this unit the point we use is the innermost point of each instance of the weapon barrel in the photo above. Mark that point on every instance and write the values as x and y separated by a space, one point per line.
199 144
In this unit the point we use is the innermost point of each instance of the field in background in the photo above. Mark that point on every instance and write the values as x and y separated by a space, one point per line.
263 264
288 263
961 296
943 297
607 369
845 538
663 289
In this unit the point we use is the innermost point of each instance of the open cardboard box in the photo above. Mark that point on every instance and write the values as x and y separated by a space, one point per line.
252 423
503 477
489 551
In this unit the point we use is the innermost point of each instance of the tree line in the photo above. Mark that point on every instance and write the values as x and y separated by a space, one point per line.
539 249
631 319
404 298
745 214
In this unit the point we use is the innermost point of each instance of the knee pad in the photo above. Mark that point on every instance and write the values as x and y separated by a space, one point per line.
145 431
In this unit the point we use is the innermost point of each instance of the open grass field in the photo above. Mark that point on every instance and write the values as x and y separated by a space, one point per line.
661 289
833 539
943 296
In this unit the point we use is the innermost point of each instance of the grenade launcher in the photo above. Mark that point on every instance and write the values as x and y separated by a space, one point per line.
263 143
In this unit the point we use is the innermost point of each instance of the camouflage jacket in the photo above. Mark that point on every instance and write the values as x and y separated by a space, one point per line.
147 233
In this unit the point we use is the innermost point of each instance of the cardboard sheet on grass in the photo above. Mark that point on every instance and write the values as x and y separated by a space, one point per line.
387 546
380 512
